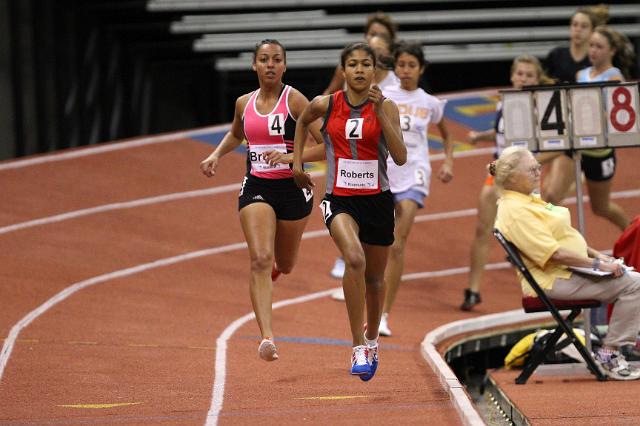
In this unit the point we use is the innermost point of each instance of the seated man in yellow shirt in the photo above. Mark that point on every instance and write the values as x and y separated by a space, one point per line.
543 234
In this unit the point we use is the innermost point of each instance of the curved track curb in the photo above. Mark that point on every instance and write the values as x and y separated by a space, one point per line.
459 397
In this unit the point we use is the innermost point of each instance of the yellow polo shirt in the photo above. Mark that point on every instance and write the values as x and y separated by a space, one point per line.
538 229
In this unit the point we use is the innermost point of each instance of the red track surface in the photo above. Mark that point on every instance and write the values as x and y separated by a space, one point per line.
149 339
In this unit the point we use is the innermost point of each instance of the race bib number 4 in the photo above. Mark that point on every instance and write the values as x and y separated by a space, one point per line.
357 174
275 122
256 156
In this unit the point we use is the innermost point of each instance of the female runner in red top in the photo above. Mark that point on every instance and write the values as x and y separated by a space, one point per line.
273 210
360 129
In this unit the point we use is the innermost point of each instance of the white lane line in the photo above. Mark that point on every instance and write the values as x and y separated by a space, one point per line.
119 206
114 146
463 405
157 199
444 215
221 345
9 342
452 271
632 193
15 330
463 154
217 398
221 352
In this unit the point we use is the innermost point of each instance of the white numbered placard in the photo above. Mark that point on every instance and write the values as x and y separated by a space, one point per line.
518 117
622 115
275 122
353 128
587 114
551 120
560 118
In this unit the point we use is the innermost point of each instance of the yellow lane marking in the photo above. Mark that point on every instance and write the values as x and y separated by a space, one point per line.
463 147
474 110
332 397
115 405
94 343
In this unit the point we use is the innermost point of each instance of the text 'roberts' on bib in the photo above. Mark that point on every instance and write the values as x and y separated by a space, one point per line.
256 156
357 174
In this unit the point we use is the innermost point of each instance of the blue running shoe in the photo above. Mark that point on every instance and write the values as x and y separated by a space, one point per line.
373 362
360 360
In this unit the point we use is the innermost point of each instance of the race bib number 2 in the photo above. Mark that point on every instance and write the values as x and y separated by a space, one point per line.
353 128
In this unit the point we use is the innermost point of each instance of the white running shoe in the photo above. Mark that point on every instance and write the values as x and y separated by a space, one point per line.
338 269
338 295
373 363
360 361
615 366
267 350
384 330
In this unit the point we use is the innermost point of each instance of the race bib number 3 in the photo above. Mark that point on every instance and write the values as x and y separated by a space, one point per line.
420 177
256 156
357 174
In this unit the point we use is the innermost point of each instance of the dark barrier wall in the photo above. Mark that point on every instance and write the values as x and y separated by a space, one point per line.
7 137
79 72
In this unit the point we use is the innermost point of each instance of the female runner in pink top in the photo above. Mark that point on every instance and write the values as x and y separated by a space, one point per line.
273 210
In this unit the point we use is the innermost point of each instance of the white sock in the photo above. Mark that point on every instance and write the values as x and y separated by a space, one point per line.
370 343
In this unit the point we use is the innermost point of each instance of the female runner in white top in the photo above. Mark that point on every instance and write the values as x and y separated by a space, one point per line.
410 182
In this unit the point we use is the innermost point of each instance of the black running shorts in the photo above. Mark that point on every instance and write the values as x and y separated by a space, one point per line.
287 200
598 169
374 215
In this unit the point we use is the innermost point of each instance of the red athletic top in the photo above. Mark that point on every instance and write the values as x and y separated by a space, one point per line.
355 147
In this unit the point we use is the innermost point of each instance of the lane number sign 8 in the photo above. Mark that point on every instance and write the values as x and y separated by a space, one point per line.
622 103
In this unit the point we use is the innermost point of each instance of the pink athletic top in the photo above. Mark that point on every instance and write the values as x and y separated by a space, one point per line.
273 131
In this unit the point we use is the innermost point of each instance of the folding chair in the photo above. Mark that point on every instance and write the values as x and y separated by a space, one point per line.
543 303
